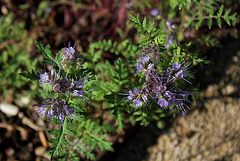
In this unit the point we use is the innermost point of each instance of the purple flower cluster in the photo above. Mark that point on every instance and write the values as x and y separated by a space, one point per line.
68 54
54 108
160 86
64 88
60 84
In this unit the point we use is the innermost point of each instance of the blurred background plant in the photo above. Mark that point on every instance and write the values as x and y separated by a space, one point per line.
15 58
102 31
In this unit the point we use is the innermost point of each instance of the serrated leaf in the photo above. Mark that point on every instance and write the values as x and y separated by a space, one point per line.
227 20
198 24
31 76
219 22
132 18
151 27
46 52
143 39
138 18
119 122
227 12
144 23
155 32
233 17
58 142
141 32
209 22
58 58
220 11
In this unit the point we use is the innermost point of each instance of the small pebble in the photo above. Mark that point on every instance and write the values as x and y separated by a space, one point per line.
228 90
10 152
235 59
9 109
40 151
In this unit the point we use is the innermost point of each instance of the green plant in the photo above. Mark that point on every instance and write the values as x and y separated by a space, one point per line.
14 59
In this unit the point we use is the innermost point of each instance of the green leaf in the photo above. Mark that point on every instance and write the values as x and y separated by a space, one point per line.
151 27
139 20
155 32
46 52
143 39
31 76
132 18
58 58
219 22
209 22
144 23
198 24
58 142
119 122
227 12
141 32
220 11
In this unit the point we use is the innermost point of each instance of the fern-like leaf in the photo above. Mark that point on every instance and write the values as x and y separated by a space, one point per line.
46 52
30 75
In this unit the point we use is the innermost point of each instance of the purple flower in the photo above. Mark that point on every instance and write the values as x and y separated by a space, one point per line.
160 85
176 66
68 55
179 74
136 91
137 102
162 102
168 23
77 84
150 66
140 67
78 93
70 50
145 59
44 78
52 75
131 95
54 108
170 41
144 97
168 94
154 12
41 110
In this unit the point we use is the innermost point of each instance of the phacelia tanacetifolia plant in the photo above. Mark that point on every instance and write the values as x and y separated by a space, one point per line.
64 94
154 82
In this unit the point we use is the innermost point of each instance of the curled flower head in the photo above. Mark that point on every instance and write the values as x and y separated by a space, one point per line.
44 78
68 55
70 50
54 108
